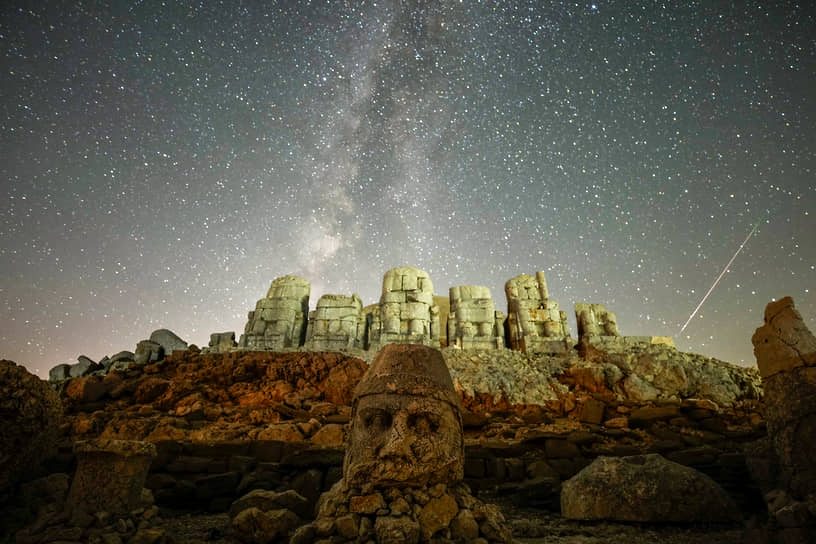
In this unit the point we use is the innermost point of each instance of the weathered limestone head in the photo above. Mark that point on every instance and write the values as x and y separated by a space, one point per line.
784 342
406 427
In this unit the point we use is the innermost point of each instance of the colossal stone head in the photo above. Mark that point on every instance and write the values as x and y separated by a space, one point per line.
406 427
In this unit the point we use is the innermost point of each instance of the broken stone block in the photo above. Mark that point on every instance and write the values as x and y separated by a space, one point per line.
148 352
406 313
221 342
110 475
168 340
595 320
534 323
280 319
336 323
473 322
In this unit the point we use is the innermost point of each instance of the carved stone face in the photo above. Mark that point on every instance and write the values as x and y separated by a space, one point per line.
406 428
404 440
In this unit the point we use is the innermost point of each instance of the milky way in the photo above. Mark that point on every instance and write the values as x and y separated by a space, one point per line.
161 165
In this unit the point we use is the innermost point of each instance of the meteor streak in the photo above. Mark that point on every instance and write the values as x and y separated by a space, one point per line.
700 305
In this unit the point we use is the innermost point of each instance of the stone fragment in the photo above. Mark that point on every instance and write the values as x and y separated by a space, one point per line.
255 526
337 323
59 373
168 340
595 320
87 389
473 322
464 526
31 415
786 356
84 365
534 323
645 488
784 342
148 352
222 342
436 515
367 504
266 500
402 530
110 475
279 320
406 313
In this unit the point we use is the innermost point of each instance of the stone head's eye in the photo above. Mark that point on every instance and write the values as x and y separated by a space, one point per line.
378 420
423 424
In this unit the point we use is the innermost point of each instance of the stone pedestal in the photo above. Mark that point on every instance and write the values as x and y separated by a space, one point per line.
110 475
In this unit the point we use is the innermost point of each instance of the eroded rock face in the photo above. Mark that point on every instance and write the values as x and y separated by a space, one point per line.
31 413
406 313
404 463
279 319
785 350
534 322
645 488
595 320
473 322
110 475
784 342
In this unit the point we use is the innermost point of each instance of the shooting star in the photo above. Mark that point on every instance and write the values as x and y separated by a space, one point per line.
700 305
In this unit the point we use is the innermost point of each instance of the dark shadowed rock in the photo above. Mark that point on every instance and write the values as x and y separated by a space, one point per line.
110 475
83 366
59 373
31 413
645 488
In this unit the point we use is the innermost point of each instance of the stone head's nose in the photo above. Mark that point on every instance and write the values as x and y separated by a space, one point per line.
398 439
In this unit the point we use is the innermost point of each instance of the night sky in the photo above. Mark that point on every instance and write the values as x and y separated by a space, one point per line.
162 163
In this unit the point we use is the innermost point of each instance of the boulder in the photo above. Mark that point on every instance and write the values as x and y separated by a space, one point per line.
265 500
221 342
31 414
258 527
83 366
168 340
59 373
784 342
785 350
645 488
110 475
148 352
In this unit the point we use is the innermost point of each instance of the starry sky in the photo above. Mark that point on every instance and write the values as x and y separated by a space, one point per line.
163 162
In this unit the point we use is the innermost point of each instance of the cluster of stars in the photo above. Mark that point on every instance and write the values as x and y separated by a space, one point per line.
162 164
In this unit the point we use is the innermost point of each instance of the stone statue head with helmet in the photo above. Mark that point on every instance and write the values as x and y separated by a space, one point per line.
406 426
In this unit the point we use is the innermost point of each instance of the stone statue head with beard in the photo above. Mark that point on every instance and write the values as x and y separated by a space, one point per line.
406 427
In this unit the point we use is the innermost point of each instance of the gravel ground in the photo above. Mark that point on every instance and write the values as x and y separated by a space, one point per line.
539 528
